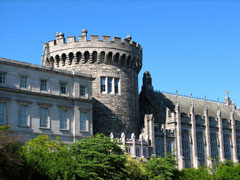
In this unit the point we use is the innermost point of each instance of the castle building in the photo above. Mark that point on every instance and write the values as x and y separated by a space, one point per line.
88 86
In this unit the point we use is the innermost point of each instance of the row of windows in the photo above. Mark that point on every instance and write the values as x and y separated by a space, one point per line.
24 117
109 85
214 146
24 82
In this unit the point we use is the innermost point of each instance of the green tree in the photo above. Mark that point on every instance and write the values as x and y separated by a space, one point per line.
227 170
134 169
48 159
11 162
98 158
191 173
161 168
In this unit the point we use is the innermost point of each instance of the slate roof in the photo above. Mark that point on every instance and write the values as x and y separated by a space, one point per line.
169 100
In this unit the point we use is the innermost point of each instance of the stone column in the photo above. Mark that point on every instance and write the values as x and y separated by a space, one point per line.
208 141
234 141
133 145
220 134
194 138
179 138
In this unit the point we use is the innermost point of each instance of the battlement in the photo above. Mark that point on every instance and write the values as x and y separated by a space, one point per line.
122 52
116 41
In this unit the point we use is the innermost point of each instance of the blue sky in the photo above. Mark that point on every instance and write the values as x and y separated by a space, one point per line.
189 46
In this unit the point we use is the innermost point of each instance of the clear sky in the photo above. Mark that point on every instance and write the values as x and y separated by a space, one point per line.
189 46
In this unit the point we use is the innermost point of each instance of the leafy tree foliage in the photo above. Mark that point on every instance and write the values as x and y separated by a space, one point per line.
99 158
227 171
11 162
192 173
161 168
96 157
47 159
134 169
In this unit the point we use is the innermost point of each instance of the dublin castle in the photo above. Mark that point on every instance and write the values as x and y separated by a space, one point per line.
86 86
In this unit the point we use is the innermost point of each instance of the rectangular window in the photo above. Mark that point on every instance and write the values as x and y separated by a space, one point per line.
23 115
110 84
3 78
83 121
63 88
2 112
43 85
44 117
103 84
63 119
116 85
83 91
23 81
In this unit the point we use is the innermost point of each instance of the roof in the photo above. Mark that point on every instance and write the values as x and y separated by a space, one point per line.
43 68
170 100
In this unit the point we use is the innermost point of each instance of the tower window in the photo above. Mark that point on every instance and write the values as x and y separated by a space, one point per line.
116 84
110 79
109 85
103 84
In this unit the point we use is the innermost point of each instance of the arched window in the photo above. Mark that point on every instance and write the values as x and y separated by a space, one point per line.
94 56
70 55
102 56
197 117
64 57
109 57
214 146
79 56
186 146
137 152
51 61
57 59
200 146
86 56
184 115
128 60
211 119
227 147
116 58
123 58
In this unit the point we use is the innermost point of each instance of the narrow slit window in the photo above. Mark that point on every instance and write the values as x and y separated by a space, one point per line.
116 84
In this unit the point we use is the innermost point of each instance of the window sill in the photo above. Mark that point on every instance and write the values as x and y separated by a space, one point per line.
84 131
65 130
44 128
23 126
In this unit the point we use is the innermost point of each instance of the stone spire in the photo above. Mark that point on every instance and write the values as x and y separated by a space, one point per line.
227 99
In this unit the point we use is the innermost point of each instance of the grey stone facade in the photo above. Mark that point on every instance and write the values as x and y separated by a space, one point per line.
12 96
120 59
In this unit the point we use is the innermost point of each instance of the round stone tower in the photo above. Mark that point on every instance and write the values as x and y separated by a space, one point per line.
114 65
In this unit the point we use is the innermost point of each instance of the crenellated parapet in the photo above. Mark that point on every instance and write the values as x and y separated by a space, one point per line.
71 51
